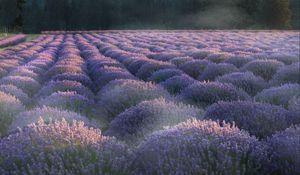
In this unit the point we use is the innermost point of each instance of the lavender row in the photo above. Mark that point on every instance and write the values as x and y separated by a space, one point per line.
11 41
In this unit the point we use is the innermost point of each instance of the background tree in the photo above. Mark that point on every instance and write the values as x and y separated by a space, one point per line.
275 13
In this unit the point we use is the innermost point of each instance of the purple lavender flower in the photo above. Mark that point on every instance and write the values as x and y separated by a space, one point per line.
64 86
149 68
239 61
244 80
118 95
279 95
207 93
264 68
164 74
61 148
177 83
27 84
214 70
199 147
9 108
287 74
285 151
69 101
194 68
180 60
259 119
139 121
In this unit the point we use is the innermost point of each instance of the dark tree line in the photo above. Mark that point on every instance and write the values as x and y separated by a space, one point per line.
38 15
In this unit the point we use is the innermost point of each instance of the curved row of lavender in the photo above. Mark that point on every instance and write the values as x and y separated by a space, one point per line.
13 40
151 103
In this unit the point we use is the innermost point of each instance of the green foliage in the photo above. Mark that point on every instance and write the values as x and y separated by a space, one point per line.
40 15
275 13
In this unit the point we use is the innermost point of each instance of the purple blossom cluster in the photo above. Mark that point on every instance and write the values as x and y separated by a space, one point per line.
13 40
139 86
141 120
259 119
285 149
199 147
207 93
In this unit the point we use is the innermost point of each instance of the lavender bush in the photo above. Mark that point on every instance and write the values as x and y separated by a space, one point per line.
177 83
199 147
285 149
279 95
27 84
264 68
287 74
23 72
18 93
64 86
164 74
207 93
180 60
69 101
149 68
10 41
81 78
239 61
9 108
139 121
214 70
244 80
259 119
294 105
61 148
194 68
48 114
118 95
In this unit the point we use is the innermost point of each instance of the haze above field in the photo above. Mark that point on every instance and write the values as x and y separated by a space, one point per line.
32 16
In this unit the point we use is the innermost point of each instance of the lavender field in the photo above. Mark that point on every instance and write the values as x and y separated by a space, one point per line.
151 103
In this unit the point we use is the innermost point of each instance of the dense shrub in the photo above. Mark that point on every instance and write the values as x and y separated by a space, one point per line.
105 78
48 114
148 116
259 119
294 105
199 147
24 73
119 95
135 65
82 78
207 93
214 70
286 59
9 108
217 57
264 68
245 80
18 93
279 95
177 83
3 72
285 149
60 69
147 69
64 86
27 84
287 74
194 68
239 61
164 74
68 101
180 60
61 148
